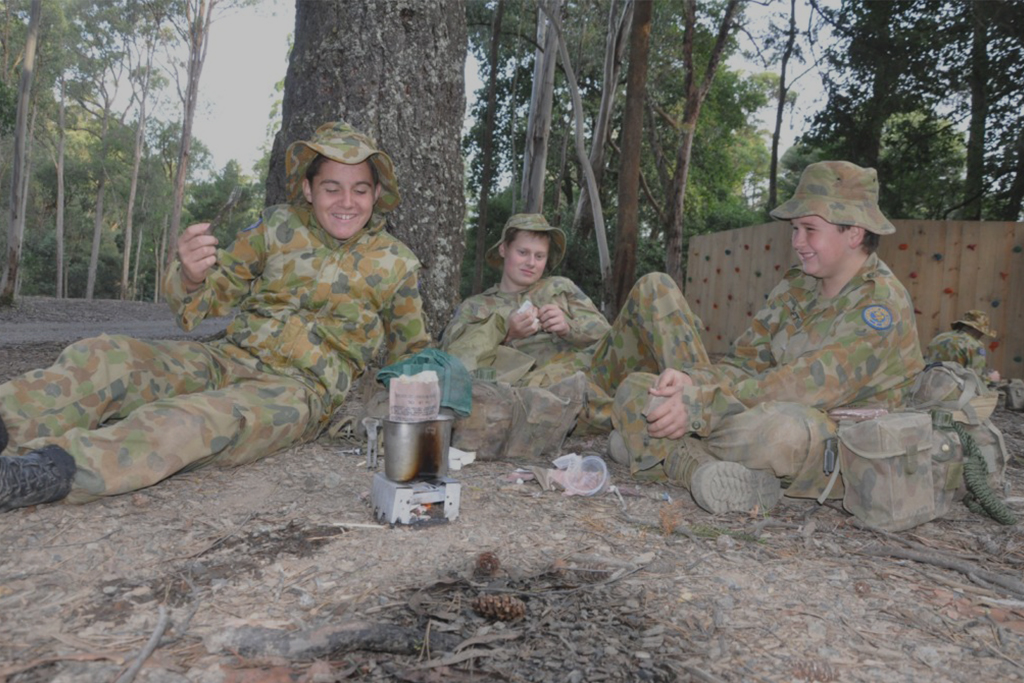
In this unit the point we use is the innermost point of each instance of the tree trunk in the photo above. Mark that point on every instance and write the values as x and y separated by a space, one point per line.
196 32
538 127
624 266
16 220
60 192
97 224
581 152
974 185
695 97
780 108
487 173
136 162
394 70
615 47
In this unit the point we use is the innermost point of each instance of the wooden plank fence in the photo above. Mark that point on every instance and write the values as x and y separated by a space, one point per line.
948 267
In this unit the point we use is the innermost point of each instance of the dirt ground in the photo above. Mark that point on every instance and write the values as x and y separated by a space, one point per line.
278 572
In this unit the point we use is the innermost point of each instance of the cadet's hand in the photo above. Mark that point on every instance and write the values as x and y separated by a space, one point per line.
670 419
994 376
197 252
552 319
522 325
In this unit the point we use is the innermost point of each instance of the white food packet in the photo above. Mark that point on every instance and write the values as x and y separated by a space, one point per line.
414 398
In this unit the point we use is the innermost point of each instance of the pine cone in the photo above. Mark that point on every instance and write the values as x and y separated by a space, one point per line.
501 607
487 564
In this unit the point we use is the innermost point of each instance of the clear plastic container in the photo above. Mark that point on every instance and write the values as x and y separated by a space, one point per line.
583 476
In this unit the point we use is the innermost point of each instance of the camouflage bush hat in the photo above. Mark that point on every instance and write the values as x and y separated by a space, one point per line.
341 142
534 222
977 320
841 193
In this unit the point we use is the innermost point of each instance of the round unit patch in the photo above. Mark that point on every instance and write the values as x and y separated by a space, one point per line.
878 317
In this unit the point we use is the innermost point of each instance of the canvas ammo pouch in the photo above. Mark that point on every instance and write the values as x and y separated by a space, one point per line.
890 477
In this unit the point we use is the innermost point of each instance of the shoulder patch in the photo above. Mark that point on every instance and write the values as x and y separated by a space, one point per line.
253 226
877 317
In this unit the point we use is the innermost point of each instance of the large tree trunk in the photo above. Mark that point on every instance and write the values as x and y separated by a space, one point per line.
615 47
394 70
695 97
624 266
16 220
486 150
538 127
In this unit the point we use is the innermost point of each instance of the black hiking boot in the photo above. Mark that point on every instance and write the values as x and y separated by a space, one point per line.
42 476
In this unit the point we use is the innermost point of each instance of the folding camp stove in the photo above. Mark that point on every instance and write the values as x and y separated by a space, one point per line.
414 487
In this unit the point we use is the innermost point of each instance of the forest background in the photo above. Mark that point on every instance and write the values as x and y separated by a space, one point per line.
636 99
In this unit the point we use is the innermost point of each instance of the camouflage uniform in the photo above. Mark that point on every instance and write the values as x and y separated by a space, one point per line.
960 346
312 313
859 348
764 405
481 323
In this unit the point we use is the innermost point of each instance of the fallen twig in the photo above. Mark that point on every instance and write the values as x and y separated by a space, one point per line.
28 666
154 640
966 568
680 529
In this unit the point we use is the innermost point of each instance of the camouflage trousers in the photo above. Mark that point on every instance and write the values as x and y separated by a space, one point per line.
654 330
786 439
132 412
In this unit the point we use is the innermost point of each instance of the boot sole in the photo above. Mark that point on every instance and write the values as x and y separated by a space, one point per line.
730 487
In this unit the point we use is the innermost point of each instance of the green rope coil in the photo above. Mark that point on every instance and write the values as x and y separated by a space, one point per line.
980 497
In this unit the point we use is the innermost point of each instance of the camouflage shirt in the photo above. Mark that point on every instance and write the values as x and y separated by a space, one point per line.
310 306
960 347
858 348
481 323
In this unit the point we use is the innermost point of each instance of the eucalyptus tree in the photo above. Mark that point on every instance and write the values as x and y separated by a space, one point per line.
396 71
19 185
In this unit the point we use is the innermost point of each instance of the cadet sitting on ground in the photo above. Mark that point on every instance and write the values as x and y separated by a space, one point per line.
962 344
838 331
319 286
526 321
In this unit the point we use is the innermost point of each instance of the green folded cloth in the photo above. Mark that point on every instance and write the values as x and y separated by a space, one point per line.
456 383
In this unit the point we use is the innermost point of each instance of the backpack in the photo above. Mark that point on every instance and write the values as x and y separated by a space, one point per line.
905 468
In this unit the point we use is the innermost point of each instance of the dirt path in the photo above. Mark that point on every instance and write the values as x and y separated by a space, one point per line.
247 562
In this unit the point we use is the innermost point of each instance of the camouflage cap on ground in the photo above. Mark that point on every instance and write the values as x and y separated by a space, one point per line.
534 222
841 193
977 320
341 142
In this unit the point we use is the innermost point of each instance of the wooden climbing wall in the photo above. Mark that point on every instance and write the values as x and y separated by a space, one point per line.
947 266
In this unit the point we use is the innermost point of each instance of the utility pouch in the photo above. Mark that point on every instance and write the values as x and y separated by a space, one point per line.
888 473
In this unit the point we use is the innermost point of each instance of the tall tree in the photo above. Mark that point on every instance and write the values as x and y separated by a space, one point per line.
16 220
395 70
538 128
624 266
615 48
487 150
696 90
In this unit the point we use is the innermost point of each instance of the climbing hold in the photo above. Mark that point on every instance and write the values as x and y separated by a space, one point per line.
995 303
936 257
904 246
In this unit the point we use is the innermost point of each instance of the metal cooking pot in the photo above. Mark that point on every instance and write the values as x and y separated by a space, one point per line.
417 450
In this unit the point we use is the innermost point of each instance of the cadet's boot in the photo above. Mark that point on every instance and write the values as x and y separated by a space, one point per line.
3 435
41 476
617 448
718 486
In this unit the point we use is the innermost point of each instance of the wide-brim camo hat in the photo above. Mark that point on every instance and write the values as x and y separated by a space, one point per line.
341 142
841 193
534 222
977 320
